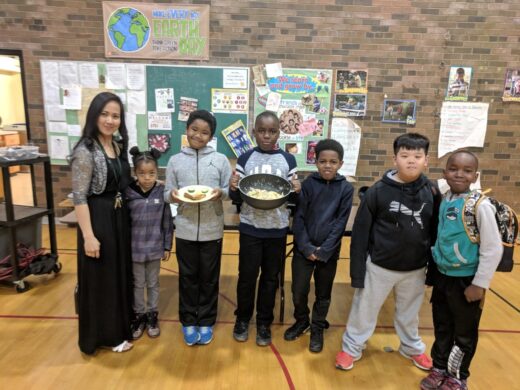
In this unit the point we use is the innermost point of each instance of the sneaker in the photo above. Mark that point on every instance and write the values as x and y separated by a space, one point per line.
421 361
344 361
452 383
191 335
263 335
138 325
206 335
434 379
316 343
296 330
153 329
241 331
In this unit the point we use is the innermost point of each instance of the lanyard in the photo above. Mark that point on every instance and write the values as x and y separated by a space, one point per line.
118 198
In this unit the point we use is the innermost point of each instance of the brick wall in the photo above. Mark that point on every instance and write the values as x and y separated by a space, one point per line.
407 46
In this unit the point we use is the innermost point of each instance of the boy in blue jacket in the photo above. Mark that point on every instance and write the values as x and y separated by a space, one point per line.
323 210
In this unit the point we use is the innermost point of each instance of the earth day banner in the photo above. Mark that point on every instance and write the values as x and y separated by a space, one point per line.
158 31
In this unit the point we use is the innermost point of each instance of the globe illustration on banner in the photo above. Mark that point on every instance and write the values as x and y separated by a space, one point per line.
128 29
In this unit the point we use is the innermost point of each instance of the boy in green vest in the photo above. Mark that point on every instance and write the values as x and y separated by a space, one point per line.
464 272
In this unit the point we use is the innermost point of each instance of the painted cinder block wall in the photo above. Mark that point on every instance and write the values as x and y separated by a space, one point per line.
406 45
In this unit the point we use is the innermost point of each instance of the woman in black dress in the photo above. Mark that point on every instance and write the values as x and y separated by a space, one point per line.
100 173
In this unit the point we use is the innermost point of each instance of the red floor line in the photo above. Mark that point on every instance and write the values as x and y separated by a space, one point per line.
273 348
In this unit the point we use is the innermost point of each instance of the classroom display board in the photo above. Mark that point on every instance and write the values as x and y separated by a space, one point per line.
301 98
157 100
179 90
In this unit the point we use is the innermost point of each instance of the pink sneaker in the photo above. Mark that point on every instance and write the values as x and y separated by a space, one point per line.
452 383
434 380
344 361
421 361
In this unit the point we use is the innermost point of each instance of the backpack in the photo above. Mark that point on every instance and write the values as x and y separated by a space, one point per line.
506 220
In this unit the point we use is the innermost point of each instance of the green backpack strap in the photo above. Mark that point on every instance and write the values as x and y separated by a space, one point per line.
469 215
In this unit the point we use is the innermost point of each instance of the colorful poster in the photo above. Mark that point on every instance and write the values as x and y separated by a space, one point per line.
349 105
237 137
164 100
458 83
399 111
186 106
512 86
158 31
229 101
303 110
351 81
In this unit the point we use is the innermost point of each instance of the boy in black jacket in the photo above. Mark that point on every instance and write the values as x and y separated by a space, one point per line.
391 240
323 210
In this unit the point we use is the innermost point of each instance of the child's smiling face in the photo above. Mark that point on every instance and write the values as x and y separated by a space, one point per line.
461 172
198 134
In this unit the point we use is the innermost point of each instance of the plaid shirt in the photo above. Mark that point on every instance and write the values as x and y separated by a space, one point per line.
152 224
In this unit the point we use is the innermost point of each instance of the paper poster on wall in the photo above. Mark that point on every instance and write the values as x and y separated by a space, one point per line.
161 142
399 111
164 100
136 102
59 147
115 77
135 76
511 86
274 70
72 98
459 81
55 113
158 31
351 81
349 105
68 73
159 120
348 134
259 76
238 138
229 101
88 75
303 110
462 125
57 127
235 78
74 130
186 106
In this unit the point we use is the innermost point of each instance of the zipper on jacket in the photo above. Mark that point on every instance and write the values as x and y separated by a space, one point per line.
198 204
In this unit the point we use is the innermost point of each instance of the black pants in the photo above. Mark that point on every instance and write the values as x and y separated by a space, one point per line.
255 254
324 273
456 322
199 272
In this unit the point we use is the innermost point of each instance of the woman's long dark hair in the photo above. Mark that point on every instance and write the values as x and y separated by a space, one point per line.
91 131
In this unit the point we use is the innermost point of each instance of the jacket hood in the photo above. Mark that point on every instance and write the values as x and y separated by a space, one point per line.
411 188
131 194
338 178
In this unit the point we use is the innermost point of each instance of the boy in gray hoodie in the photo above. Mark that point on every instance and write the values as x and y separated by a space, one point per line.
199 226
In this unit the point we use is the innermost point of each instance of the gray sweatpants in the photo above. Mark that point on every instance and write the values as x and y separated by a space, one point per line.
146 274
408 294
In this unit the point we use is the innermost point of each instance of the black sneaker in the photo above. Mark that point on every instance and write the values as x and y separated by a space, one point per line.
296 330
153 329
263 335
138 325
316 343
241 331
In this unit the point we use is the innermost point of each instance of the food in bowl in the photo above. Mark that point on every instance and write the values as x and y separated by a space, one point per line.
258 193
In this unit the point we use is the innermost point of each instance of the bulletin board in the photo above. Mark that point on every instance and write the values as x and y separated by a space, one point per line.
221 90
301 99
157 100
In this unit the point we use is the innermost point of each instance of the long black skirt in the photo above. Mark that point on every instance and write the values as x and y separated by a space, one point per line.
105 284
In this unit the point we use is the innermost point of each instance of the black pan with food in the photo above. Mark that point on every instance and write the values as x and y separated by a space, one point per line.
264 181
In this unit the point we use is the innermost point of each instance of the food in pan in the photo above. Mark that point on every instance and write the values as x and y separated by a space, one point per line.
263 194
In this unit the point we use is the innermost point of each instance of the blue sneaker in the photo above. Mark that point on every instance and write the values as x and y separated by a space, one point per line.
206 335
191 335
